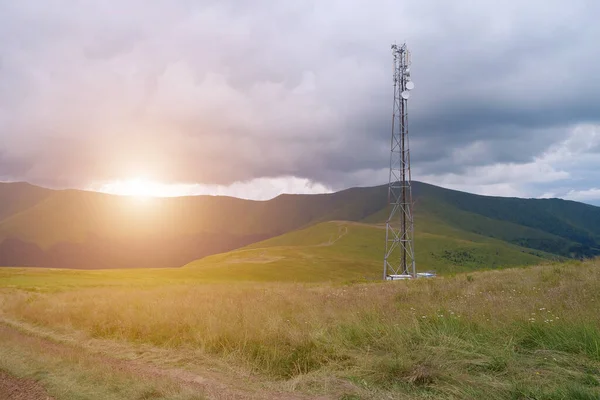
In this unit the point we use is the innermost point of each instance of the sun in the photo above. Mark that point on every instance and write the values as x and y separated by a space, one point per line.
139 187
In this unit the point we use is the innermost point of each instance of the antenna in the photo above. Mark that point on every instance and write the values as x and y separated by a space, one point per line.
399 258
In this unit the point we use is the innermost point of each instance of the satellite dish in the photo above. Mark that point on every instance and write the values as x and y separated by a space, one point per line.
410 85
405 95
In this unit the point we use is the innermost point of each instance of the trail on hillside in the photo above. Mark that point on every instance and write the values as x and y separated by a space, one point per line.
14 388
342 231
211 384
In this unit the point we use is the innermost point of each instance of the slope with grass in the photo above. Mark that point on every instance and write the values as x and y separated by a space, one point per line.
75 229
342 251
561 227
86 230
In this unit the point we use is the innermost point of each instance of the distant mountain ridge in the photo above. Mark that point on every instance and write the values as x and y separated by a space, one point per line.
557 226
79 229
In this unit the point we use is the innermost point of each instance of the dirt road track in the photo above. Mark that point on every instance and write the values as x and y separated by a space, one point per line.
210 384
12 388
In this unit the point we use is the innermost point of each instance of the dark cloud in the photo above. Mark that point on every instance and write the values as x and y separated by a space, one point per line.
218 92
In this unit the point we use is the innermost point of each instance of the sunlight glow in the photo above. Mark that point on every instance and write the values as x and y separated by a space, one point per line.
139 187
254 189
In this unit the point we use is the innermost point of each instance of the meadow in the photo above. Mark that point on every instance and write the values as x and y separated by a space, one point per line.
521 333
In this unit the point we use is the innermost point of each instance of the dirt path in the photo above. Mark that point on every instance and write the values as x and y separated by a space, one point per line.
211 384
342 231
21 389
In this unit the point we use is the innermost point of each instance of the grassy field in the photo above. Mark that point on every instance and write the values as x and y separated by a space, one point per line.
522 333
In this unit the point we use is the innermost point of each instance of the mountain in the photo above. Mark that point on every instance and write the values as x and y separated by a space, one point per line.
79 229
17 197
561 227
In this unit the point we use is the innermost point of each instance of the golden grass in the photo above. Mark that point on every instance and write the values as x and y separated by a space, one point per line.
498 334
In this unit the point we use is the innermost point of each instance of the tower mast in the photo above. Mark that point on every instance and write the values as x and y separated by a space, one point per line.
399 259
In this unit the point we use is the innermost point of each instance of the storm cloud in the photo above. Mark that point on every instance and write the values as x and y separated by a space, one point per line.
219 93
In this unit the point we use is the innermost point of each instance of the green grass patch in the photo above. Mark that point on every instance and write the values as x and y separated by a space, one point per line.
570 337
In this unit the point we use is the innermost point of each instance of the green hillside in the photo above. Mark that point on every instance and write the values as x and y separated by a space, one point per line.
78 229
557 226
71 216
341 250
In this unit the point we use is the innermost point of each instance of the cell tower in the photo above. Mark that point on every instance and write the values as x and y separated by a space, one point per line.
399 259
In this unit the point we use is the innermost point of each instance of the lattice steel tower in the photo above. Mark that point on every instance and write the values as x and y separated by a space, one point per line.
399 259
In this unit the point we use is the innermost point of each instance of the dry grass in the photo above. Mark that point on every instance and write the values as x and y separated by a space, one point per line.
519 333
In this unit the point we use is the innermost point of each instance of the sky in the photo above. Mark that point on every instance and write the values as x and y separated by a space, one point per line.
253 99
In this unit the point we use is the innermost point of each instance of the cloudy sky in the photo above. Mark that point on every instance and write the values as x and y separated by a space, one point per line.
255 98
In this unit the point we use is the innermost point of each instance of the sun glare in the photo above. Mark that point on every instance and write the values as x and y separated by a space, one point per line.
139 187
